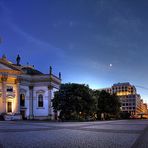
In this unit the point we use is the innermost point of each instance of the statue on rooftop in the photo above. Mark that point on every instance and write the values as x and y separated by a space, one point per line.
18 60
50 71
59 75
4 57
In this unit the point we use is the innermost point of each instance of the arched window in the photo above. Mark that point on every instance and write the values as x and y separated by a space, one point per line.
40 100
22 100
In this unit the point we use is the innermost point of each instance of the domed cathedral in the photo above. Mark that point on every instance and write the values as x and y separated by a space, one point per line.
26 91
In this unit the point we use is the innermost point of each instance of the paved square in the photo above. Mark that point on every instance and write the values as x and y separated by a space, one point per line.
99 134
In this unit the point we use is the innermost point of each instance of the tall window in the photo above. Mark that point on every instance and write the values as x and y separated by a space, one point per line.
40 100
22 100
9 107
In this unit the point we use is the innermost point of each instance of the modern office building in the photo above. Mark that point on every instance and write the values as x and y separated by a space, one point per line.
130 101
144 108
26 91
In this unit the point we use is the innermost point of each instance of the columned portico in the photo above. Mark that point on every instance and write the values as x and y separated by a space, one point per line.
49 102
31 102
26 91
17 102
4 81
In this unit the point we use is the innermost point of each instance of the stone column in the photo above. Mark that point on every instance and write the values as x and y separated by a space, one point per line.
17 102
50 114
31 102
4 81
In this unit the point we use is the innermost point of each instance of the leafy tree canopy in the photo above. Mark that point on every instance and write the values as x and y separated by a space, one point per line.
108 103
73 98
78 100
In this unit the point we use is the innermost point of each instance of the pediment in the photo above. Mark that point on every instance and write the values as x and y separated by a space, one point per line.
2 66
40 91
8 68
23 91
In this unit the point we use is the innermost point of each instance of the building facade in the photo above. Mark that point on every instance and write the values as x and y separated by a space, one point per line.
131 102
27 91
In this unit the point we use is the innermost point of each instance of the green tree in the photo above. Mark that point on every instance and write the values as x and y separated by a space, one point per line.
95 96
108 104
74 101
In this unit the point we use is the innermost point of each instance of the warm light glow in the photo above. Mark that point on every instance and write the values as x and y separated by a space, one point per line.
123 93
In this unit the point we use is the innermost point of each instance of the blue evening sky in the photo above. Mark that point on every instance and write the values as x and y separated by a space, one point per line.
97 42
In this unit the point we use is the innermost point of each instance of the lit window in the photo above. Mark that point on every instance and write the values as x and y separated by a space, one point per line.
22 100
40 100
9 107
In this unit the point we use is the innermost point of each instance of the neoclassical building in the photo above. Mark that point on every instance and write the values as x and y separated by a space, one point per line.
26 91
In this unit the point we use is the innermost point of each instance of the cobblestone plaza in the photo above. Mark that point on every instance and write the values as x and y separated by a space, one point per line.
99 134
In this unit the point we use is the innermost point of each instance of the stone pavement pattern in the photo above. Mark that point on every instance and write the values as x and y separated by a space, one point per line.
99 134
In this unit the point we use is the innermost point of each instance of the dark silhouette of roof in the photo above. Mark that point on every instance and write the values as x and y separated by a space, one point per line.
31 71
